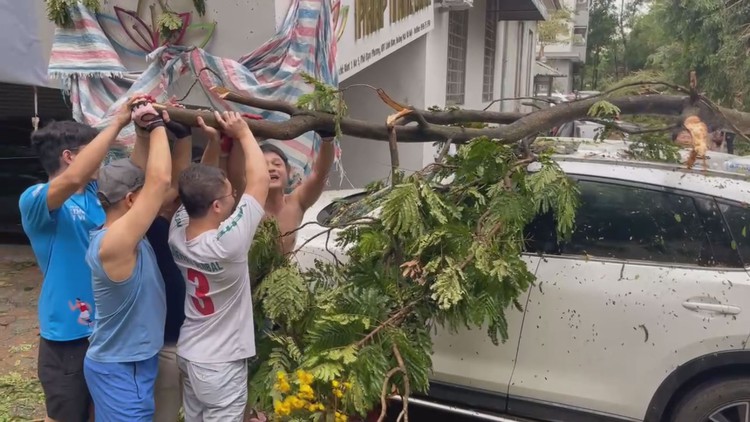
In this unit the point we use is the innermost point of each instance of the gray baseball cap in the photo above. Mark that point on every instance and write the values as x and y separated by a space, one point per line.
117 179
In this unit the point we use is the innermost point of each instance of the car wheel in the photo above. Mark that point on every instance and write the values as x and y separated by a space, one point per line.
720 400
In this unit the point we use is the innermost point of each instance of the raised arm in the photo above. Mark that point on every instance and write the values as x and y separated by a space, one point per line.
181 155
236 168
139 156
118 250
256 171
212 153
88 160
312 187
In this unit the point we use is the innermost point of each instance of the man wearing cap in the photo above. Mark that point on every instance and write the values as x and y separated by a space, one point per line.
122 360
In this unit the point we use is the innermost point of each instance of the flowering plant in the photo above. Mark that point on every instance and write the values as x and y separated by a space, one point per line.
295 398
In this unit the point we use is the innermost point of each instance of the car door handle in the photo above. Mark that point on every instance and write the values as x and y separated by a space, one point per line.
711 307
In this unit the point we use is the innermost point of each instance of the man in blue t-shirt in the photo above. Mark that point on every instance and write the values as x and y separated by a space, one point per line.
57 217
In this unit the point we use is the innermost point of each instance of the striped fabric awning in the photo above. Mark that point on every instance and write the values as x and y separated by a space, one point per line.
305 43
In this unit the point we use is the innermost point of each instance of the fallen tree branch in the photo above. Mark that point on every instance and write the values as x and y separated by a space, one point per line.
384 393
256 102
393 319
404 415
517 126
629 131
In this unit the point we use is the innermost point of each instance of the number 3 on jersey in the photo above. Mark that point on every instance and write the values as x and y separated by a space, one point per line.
201 301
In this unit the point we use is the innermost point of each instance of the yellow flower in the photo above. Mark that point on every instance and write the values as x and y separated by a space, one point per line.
304 377
338 393
281 376
340 417
335 384
297 403
306 392
281 409
315 407
282 386
347 385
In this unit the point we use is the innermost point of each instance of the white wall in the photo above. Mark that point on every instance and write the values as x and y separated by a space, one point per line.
565 67
402 76
243 25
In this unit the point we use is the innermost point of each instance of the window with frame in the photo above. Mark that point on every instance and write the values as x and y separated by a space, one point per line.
579 35
633 223
458 31
490 48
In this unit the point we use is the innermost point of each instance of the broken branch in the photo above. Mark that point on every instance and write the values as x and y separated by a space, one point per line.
260 103
515 127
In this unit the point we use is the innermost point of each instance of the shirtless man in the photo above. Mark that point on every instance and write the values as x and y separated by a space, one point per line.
287 209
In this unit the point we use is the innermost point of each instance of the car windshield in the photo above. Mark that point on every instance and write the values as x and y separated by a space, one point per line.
345 209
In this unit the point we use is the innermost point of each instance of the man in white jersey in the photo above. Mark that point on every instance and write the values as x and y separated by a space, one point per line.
210 239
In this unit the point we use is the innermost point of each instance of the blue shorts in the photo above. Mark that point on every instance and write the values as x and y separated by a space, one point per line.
122 392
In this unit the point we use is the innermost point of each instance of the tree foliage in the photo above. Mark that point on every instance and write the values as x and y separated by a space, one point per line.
556 28
444 248
711 37
601 33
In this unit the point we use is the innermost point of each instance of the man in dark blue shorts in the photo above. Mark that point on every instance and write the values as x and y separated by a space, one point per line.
57 217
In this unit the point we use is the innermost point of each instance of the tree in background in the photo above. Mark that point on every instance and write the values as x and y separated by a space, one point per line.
671 38
602 30
710 37
554 30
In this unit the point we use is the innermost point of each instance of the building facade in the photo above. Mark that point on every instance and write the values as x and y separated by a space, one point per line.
470 57
567 57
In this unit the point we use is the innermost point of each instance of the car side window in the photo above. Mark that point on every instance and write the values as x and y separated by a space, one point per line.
722 251
540 236
632 223
738 220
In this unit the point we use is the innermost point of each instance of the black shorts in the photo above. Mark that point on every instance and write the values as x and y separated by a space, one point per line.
60 369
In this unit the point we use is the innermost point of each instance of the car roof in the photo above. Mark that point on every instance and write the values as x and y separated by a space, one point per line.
725 175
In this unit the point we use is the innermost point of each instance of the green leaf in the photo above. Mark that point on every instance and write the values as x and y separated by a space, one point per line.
604 108
447 290
400 213
347 355
327 371
284 294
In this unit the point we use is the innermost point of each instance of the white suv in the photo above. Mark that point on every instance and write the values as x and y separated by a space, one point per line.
644 314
